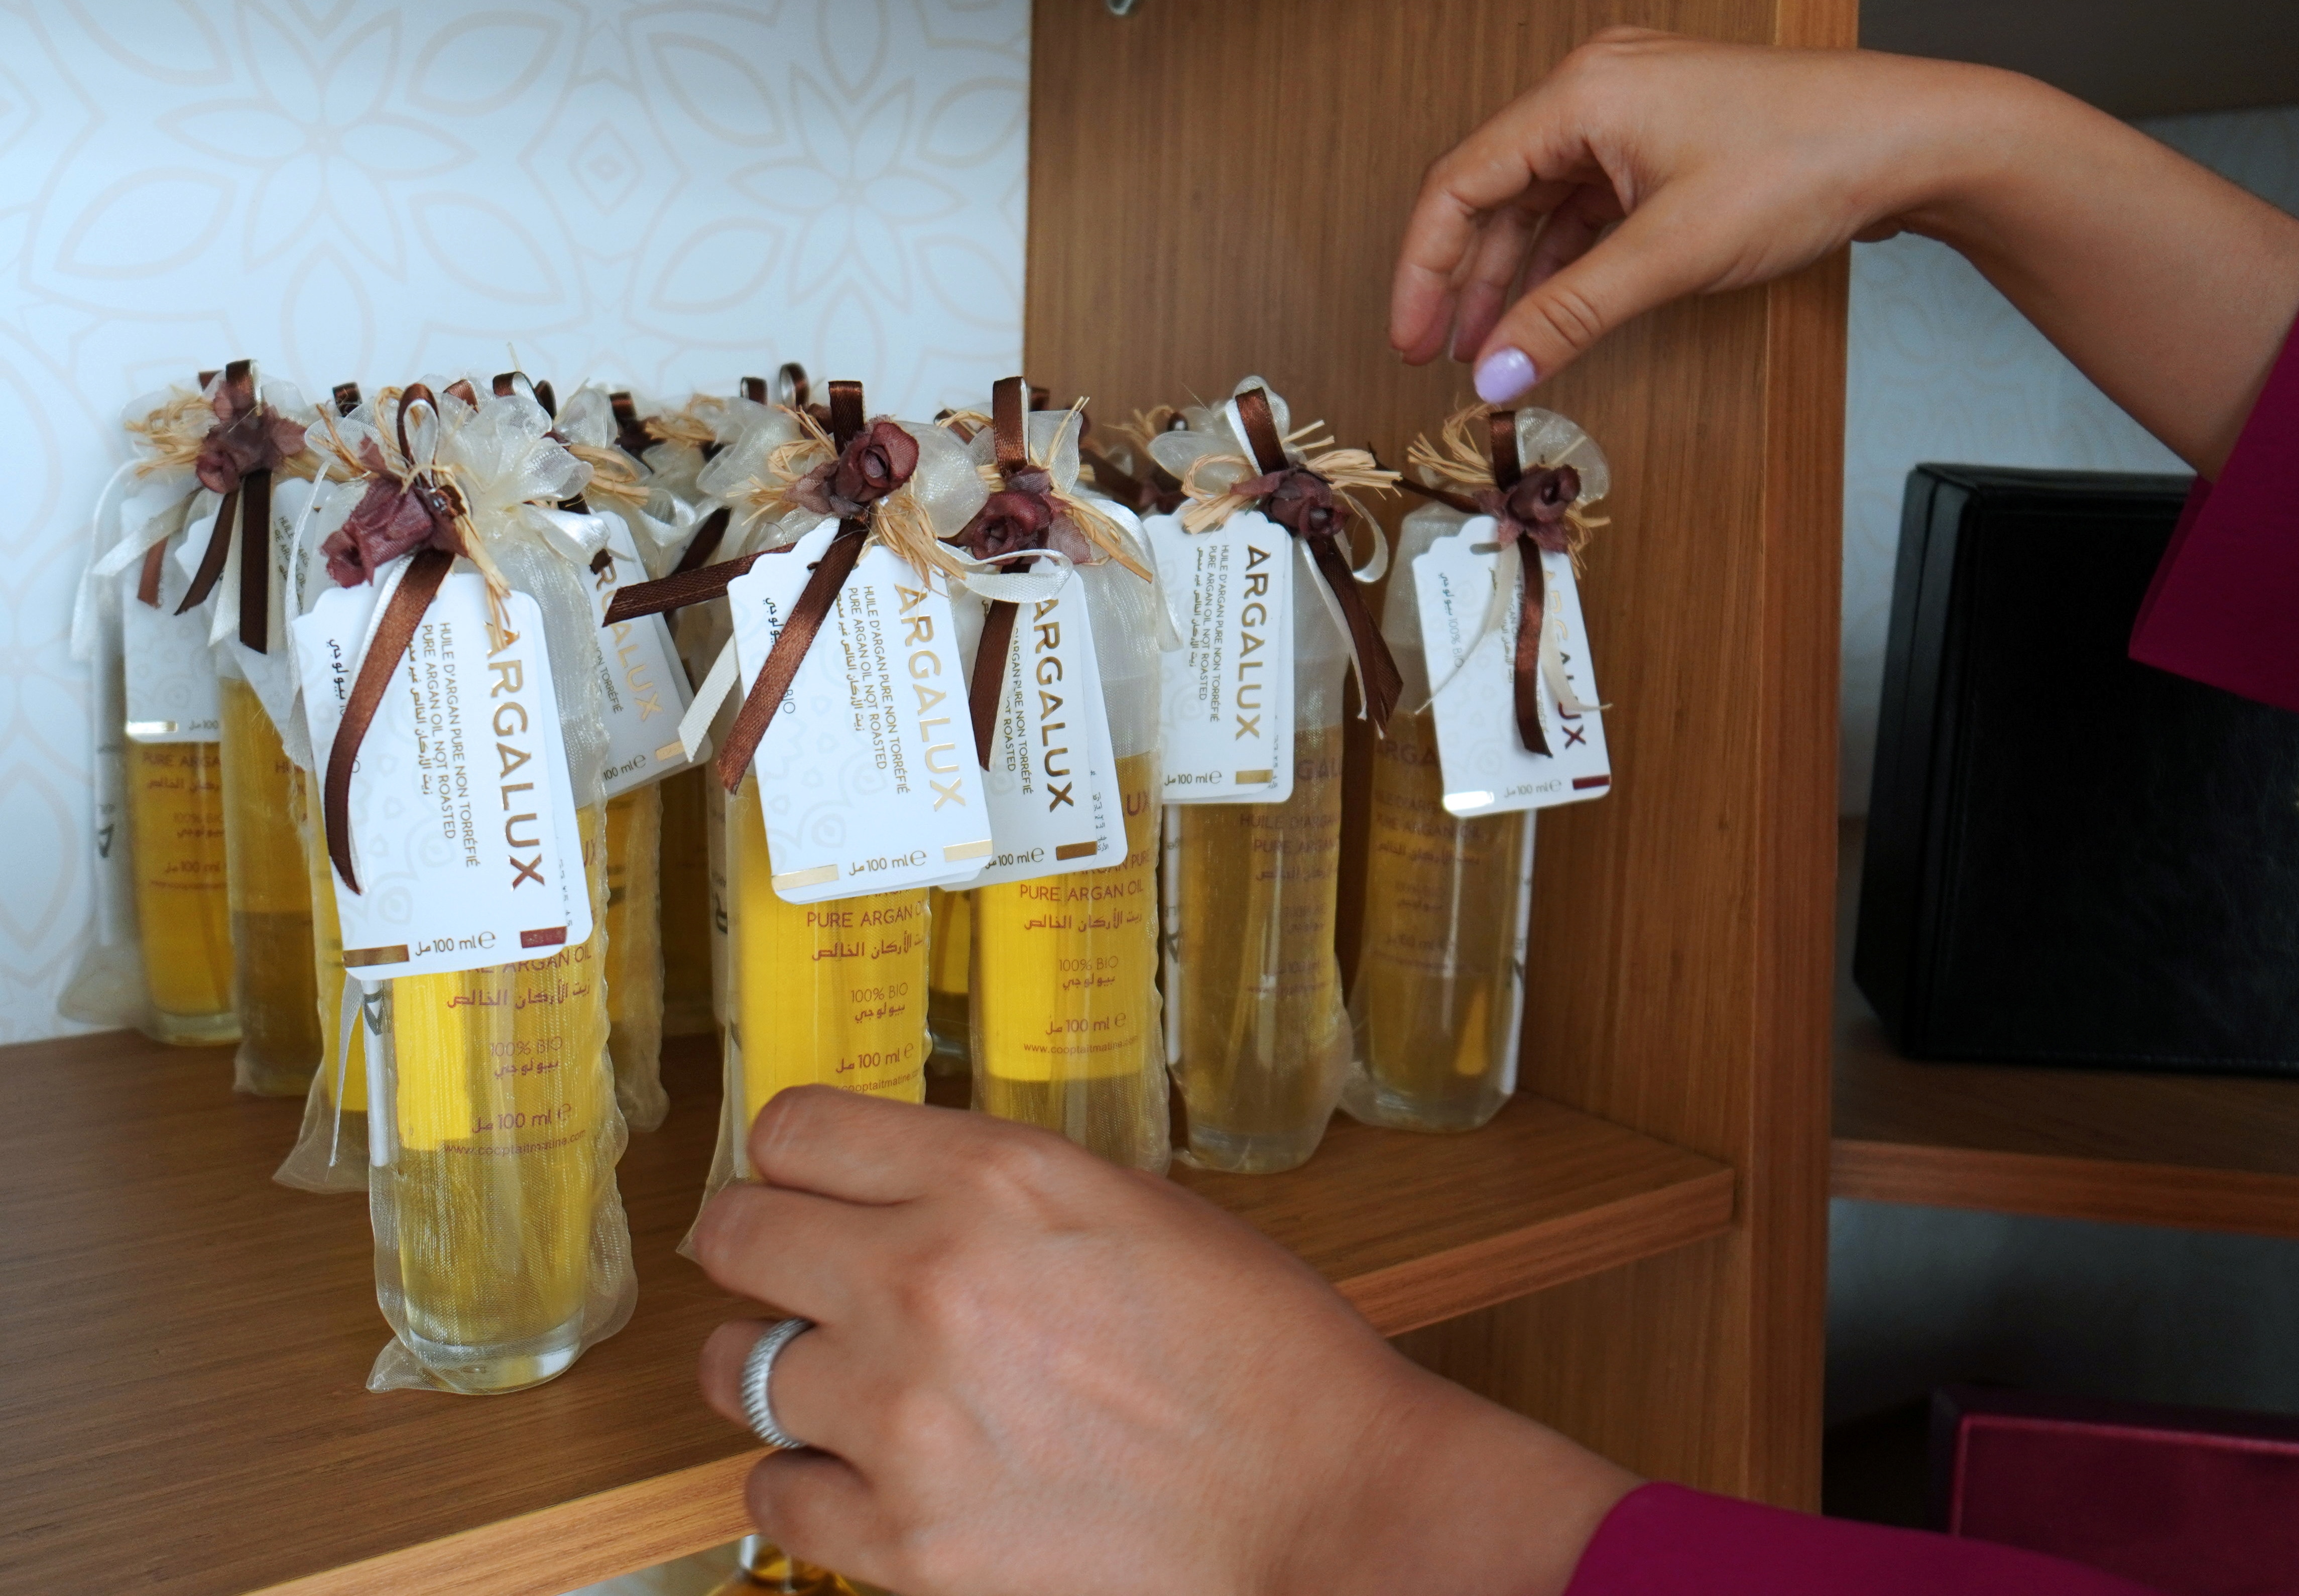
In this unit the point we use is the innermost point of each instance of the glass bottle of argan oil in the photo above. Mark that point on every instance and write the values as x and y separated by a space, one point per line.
763 1568
1438 996
183 904
633 957
490 1180
1255 1031
686 905
1064 1018
948 970
831 994
273 988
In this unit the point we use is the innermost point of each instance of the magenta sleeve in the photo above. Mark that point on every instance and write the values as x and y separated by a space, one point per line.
1666 1541
2224 606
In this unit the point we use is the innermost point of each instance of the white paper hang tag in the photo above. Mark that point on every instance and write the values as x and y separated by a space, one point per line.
1486 767
167 670
462 815
642 684
1226 694
1052 777
867 777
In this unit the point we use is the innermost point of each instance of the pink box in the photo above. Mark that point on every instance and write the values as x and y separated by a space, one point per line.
2192 1501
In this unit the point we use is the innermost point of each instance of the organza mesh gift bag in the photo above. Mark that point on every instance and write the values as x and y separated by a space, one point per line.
1438 1000
830 992
1257 1034
1063 979
162 957
501 1250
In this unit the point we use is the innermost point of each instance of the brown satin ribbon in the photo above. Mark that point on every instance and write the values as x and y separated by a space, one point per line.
148 584
631 435
1500 435
1011 442
792 383
462 388
822 585
413 595
696 585
1507 469
248 509
754 389
705 541
1377 672
347 397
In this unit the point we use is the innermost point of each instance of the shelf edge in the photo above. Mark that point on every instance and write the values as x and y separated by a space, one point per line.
612 1532
559 1549
2108 1191
1589 1242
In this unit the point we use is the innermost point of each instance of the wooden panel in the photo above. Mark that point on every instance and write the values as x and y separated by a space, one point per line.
1195 219
2205 1153
204 1335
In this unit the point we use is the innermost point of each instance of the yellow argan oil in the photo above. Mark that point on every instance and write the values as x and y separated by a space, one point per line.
1436 1001
501 1153
634 963
1065 1022
183 904
1255 1030
830 993
947 961
687 910
273 990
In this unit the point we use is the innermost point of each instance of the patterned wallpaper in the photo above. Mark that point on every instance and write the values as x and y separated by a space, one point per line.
1943 369
669 194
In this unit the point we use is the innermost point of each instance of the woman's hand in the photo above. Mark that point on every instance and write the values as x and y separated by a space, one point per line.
1723 165
1647 167
1036 1373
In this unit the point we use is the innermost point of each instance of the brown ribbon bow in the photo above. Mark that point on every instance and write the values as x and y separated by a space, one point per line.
392 518
1302 503
247 443
1016 520
872 462
1528 507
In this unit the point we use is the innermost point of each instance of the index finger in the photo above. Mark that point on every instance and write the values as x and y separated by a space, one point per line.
857 1148
1529 153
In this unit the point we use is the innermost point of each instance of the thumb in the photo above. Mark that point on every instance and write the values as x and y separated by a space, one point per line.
1643 263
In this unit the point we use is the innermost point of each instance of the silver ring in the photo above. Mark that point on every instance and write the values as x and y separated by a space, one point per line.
757 1369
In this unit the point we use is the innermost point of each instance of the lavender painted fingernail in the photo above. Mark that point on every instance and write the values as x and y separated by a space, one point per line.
1504 374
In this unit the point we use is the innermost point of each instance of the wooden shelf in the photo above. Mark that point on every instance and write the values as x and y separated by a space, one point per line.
189 1341
2204 1152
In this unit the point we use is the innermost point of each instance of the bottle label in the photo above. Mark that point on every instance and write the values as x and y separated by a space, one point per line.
1053 777
1487 768
1069 968
166 669
1227 706
641 682
462 815
506 1059
867 777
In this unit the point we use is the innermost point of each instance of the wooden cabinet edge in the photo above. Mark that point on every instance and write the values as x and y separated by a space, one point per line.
2110 1191
558 1549
612 1532
1428 1290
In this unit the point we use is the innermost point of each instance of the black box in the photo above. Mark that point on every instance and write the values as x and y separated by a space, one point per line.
2072 858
